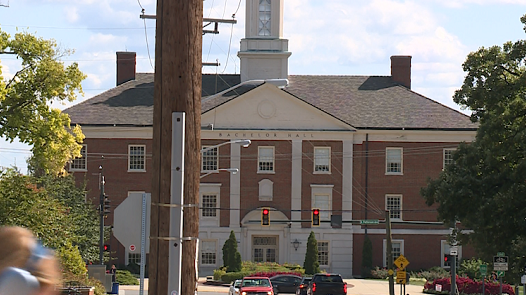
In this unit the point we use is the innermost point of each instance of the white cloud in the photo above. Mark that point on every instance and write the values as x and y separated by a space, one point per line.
71 12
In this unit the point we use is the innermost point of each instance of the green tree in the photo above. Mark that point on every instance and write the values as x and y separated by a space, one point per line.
26 98
484 187
231 256
367 257
311 263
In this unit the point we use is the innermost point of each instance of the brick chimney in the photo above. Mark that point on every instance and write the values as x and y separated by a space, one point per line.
401 69
125 66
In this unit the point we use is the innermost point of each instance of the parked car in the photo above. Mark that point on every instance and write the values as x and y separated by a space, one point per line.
234 288
285 283
302 288
256 285
322 284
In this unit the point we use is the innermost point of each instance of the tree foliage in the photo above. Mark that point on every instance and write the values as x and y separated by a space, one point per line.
231 256
311 263
26 98
484 187
53 208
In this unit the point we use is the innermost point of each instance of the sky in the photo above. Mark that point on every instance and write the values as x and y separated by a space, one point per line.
326 37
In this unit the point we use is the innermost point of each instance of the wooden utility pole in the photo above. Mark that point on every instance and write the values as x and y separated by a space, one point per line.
177 88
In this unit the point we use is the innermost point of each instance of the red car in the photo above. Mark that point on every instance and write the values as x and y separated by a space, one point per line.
256 286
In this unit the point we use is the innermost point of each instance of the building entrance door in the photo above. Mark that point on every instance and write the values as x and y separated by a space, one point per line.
265 249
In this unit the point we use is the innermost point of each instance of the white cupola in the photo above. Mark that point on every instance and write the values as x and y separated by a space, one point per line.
264 53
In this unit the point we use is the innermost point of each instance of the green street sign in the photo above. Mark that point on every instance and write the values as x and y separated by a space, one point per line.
369 221
501 254
500 273
483 269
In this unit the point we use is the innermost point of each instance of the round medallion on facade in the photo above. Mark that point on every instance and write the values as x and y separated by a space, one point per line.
266 109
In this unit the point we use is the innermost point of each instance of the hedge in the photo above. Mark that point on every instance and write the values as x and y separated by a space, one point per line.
467 286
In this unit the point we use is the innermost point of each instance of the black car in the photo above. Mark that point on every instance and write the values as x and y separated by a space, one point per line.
285 283
302 288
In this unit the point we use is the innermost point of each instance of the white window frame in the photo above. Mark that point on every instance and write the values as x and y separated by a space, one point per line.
271 161
80 161
319 191
210 212
401 172
202 250
446 151
210 189
261 25
137 256
210 157
401 242
130 146
393 196
444 249
319 158
328 253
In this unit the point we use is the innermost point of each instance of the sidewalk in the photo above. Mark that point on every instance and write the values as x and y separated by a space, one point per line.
354 287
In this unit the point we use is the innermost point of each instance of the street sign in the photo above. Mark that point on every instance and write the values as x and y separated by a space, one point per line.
501 254
401 262
369 221
453 250
523 279
500 263
390 272
500 273
483 269
401 281
401 274
132 247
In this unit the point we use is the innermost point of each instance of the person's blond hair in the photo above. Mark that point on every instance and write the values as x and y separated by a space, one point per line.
16 246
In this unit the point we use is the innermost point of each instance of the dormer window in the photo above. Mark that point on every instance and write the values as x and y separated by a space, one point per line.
264 18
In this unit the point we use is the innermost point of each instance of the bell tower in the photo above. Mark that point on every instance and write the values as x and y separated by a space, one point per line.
264 53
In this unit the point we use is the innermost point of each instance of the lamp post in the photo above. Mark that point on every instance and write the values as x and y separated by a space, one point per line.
231 170
243 142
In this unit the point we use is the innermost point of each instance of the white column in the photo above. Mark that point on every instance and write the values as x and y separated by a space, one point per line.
296 182
235 185
347 182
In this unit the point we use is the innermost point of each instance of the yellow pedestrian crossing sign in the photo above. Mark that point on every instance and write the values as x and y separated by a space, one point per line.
401 262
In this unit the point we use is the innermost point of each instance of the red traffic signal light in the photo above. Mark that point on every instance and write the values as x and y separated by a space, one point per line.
316 217
265 218
106 247
446 258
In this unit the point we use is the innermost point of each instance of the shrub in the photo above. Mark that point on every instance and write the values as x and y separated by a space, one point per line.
229 277
471 268
231 256
124 277
311 264
218 273
431 274
379 273
467 286
367 257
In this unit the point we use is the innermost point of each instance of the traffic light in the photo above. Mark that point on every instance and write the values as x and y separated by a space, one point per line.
316 217
106 248
265 218
106 205
446 259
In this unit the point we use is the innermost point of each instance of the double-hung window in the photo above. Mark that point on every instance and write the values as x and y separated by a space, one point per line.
323 252
209 159
209 205
264 18
322 160
448 157
208 252
265 159
393 159
136 158
80 163
393 203
397 247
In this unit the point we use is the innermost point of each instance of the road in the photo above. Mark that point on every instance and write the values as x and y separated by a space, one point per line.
355 287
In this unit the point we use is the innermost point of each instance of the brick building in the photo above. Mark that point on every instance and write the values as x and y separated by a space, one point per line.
352 146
